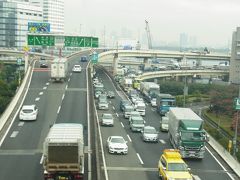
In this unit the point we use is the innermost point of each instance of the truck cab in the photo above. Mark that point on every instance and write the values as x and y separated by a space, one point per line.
171 166
141 108
136 124
127 109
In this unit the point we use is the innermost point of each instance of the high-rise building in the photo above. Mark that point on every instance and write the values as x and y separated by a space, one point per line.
53 13
235 58
183 40
14 18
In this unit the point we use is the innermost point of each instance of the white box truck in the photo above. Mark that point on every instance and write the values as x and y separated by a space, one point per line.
63 152
59 69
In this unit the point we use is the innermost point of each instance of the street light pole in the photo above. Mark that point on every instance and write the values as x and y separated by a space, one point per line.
236 130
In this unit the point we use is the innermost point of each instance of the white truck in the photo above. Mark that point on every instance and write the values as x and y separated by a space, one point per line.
141 108
149 89
186 133
63 152
59 69
126 83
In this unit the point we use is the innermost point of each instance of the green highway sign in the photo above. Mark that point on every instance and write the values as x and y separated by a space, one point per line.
41 40
80 41
236 103
94 57
19 61
69 41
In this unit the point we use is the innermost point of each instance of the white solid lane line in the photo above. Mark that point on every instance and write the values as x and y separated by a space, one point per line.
37 99
63 96
20 123
122 124
220 164
59 109
130 140
41 93
140 159
14 134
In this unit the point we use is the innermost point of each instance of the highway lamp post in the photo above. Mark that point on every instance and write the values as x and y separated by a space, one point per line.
237 104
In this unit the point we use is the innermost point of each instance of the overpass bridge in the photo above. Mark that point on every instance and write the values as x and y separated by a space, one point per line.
146 54
183 73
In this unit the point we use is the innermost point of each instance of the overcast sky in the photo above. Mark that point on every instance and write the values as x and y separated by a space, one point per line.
210 21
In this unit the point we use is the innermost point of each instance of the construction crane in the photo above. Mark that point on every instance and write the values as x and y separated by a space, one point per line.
148 35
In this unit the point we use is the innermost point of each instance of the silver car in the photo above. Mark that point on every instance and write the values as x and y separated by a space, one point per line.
107 120
149 134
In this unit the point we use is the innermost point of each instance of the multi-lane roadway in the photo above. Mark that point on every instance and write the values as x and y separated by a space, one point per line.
21 149
142 159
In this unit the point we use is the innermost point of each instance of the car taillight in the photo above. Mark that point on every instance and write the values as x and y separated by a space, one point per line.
48 176
78 176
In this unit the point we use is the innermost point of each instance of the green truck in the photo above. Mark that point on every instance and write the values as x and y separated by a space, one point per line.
186 132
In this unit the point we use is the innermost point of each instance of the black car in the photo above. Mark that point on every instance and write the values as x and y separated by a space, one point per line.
110 94
43 65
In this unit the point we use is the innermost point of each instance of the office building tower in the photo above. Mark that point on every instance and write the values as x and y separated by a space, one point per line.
53 13
14 18
183 40
234 75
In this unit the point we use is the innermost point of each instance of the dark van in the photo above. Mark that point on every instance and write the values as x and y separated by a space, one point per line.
83 58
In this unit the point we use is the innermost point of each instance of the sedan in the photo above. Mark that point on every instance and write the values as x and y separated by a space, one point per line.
77 68
117 144
110 94
43 65
28 113
107 120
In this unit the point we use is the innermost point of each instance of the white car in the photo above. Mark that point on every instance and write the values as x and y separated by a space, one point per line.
154 102
107 120
28 112
117 144
77 68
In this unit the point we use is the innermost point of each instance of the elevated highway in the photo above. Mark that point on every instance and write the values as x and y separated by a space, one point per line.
161 54
179 73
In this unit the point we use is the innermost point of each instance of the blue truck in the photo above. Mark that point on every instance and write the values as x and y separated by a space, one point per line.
164 102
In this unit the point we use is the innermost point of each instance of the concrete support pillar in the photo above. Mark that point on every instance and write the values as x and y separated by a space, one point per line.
115 64
146 63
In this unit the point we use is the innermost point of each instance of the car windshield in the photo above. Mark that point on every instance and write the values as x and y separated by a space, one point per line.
137 121
150 131
27 110
189 136
177 167
164 120
141 107
77 66
117 140
129 109
107 116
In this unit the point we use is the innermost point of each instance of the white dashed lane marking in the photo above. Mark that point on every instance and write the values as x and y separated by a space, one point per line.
140 159
47 83
130 140
45 87
14 134
20 123
37 99
41 93
162 141
122 124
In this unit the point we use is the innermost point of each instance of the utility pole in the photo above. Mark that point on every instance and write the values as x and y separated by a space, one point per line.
235 148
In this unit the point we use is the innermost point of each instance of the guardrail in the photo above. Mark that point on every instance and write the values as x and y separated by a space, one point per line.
13 106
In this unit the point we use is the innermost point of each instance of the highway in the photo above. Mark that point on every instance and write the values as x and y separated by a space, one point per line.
21 150
141 161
